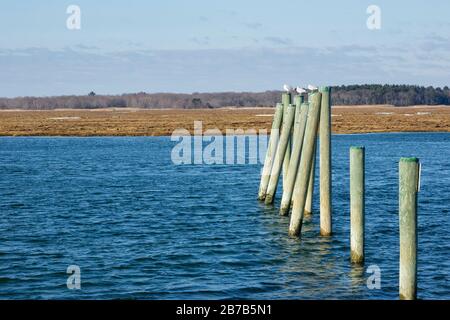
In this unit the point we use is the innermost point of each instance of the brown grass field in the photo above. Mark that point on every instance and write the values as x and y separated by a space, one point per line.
162 122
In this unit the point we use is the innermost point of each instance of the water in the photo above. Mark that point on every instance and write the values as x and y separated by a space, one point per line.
140 227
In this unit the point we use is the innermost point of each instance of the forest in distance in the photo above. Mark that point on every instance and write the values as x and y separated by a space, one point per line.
369 94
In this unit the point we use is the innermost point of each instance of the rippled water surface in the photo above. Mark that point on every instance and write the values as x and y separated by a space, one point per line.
140 227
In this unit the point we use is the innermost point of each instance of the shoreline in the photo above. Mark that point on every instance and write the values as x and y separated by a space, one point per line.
237 135
162 122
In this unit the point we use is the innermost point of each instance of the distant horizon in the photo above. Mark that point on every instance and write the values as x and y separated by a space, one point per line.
366 94
218 92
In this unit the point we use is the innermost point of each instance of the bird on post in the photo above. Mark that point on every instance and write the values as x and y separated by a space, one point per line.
287 88
300 90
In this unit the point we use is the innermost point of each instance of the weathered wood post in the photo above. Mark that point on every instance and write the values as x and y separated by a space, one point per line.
286 99
325 163
357 204
280 154
303 174
310 194
270 153
298 100
299 131
408 188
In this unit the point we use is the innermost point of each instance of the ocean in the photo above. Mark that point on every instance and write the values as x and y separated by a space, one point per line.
139 227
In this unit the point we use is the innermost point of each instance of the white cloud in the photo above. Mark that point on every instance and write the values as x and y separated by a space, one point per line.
40 71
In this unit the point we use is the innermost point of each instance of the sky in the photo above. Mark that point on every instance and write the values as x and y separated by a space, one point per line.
210 46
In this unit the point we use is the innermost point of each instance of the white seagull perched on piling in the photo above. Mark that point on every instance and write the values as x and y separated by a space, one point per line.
311 87
287 88
300 90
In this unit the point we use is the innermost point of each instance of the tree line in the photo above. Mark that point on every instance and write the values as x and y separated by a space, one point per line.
398 95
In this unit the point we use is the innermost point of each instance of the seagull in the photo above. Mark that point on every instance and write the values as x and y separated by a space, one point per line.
300 90
287 88
311 87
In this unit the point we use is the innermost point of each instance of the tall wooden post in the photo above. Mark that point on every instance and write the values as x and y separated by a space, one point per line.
408 188
286 99
325 163
280 154
357 204
303 174
299 131
270 153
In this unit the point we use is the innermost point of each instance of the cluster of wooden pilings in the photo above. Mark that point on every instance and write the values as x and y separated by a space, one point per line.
291 151
297 124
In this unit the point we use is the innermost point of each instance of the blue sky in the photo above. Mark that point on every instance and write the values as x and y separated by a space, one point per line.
205 46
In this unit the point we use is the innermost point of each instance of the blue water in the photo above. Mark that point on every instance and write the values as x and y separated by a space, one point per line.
140 227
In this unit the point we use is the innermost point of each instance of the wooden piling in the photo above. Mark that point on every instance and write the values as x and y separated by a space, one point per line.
299 131
270 153
298 100
325 163
303 174
310 194
408 188
286 100
280 154
357 204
